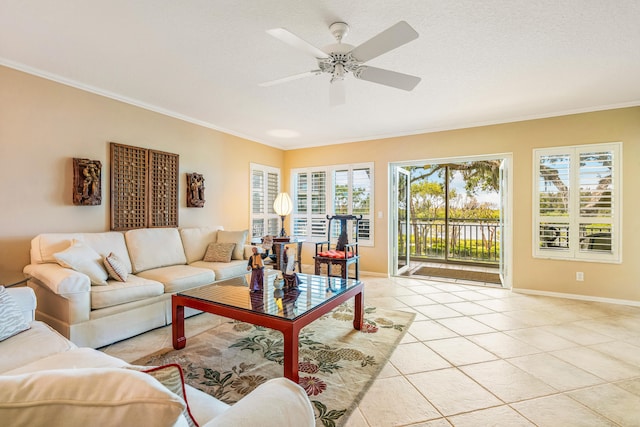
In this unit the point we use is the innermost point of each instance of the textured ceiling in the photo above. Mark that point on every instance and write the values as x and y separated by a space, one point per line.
201 60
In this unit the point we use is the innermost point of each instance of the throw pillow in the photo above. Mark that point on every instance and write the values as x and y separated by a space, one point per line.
12 321
87 396
172 378
237 237
219 252
115 267
83 259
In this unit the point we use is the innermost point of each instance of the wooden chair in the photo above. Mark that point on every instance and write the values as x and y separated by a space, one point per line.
343 253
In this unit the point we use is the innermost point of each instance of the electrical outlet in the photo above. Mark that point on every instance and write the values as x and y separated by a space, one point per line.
579 276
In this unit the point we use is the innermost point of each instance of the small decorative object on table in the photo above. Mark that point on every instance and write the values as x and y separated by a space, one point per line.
289 274
257 270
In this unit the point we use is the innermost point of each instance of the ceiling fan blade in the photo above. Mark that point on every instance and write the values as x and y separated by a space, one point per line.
391 38
291 39
387 77
337 93
290 78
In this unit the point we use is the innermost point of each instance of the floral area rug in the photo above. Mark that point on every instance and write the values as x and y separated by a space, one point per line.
337 364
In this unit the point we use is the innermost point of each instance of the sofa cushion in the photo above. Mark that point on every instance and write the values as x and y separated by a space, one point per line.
82 357
172 378
203 406
223 270
45 245
89 396
264 407
84 259
196 239
177 278
116 293
115 267
154 247
33 344
219 252
109 242
12 320
237 237
26 300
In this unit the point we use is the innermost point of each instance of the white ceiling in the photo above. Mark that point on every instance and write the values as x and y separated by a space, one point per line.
481 62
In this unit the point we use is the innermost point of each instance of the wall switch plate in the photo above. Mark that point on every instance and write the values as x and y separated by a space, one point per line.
579 276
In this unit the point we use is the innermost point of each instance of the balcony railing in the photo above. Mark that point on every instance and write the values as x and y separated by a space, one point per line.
469 240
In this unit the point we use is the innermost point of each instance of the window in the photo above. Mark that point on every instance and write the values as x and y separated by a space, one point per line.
265 185
577 202
340 190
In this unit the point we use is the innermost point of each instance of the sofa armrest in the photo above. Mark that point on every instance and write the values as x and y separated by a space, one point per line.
58 279
26 300
277 403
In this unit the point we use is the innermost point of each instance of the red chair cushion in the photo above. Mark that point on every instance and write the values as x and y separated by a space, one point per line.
335 254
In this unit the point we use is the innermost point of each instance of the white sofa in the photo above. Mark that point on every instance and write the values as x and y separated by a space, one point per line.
158 262
46 380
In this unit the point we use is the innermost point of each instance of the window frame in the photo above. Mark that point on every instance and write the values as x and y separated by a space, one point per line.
312 222
572 248
268 214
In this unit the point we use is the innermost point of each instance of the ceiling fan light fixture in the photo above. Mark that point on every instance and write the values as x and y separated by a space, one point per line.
338 72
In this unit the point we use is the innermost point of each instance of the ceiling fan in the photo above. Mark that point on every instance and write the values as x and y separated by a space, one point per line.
340 59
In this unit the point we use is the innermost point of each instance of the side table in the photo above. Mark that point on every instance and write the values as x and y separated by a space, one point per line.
279 247
12 278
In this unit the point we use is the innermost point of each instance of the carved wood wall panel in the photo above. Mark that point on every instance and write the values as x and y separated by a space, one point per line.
87 182
144 188
163 189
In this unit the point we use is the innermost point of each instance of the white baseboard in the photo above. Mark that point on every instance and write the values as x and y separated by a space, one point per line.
577 297
374 274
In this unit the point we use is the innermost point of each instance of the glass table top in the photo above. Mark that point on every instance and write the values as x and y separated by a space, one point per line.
312 292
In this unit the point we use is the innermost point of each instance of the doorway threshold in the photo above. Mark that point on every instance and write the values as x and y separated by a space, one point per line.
457 274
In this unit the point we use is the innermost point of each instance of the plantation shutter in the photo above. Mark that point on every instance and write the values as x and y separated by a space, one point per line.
335 190
361 200
578 202
273 188
318 209
265 185
257 203
554 172
352 196
301 210
596 202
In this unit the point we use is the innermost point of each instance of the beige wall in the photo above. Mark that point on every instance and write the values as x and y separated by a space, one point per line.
619 281
45 124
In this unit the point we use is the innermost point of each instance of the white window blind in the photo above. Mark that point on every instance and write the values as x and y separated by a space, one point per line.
578 202
342 190
310 194
265 185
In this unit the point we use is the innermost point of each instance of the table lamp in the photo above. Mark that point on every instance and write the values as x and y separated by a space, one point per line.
283 206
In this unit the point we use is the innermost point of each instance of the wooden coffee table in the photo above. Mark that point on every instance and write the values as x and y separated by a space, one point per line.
285 311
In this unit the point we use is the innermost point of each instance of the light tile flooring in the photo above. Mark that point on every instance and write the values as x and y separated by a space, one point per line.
480 356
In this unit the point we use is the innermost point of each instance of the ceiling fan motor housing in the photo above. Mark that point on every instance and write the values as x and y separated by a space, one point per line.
340 60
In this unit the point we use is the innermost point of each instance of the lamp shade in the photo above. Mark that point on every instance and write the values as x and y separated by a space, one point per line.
283 204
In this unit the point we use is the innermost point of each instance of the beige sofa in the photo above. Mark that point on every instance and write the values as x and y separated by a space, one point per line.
46 380
92 310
